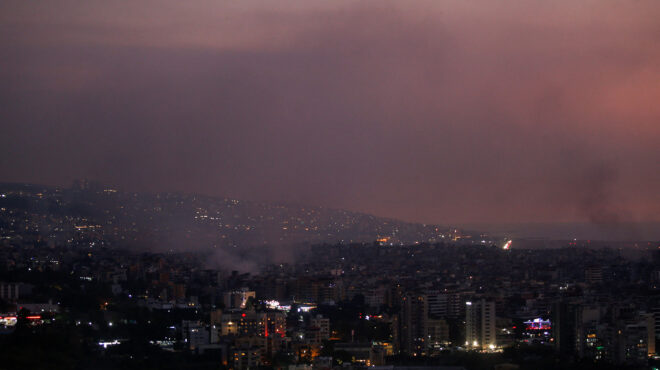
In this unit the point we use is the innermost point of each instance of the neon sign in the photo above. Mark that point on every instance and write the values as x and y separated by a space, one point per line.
538 324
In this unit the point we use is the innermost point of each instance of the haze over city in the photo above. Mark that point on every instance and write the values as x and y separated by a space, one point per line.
330 185
437 112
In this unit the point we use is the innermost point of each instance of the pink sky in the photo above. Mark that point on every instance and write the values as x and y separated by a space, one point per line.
431 111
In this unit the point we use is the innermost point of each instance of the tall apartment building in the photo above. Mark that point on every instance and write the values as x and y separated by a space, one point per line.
480 324
413 320
445 304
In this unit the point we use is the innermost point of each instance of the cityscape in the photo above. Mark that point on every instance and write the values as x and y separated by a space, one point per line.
330 185
77 289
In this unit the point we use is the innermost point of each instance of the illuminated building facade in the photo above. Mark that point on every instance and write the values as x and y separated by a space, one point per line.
480 324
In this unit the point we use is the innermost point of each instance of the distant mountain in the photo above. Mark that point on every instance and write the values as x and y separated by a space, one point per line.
90 213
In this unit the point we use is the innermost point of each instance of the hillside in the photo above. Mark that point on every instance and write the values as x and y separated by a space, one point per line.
177 221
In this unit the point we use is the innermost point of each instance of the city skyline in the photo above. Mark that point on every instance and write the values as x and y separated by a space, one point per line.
330 185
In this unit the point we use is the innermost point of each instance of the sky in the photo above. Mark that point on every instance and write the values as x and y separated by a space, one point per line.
427 111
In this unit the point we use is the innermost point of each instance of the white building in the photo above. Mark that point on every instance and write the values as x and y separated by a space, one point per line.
480 324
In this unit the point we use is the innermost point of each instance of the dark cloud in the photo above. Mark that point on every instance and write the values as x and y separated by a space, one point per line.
431 112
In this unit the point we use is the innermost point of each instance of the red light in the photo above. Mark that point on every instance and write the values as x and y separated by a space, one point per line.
243 315
33 317
514 327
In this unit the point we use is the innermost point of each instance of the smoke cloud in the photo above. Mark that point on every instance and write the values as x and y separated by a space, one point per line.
436 112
